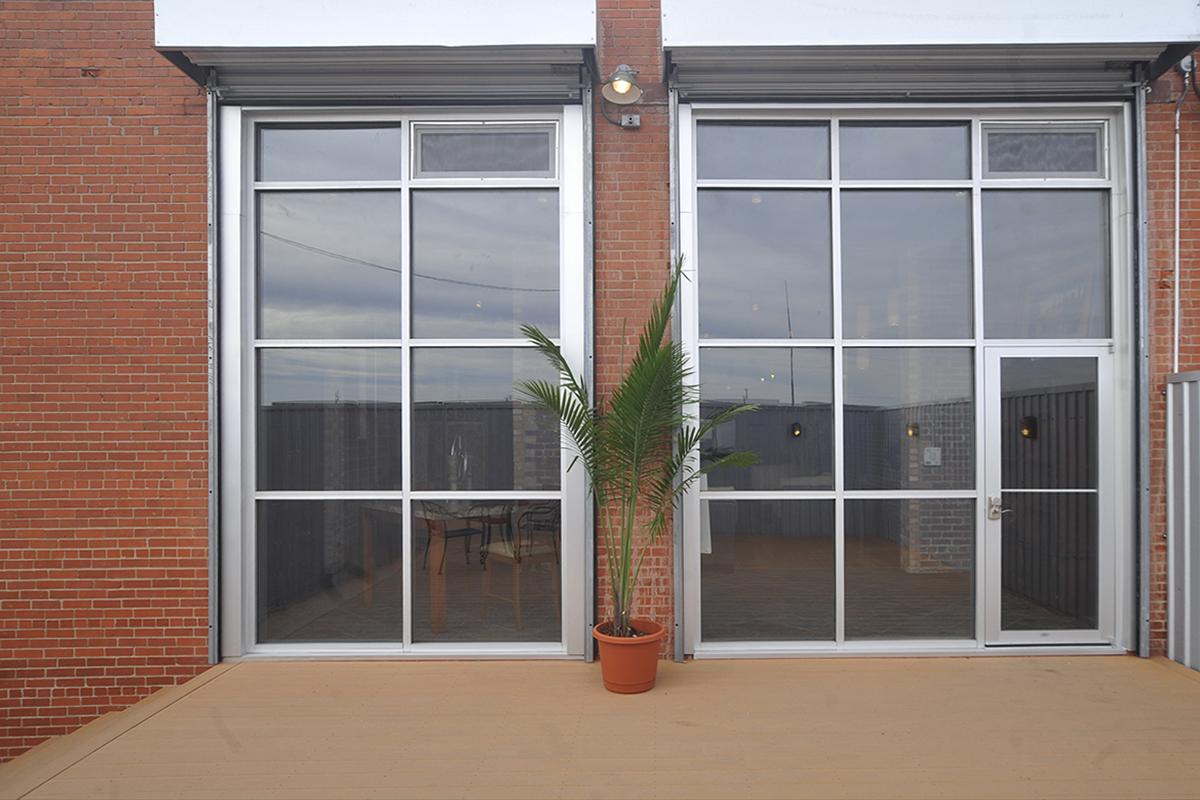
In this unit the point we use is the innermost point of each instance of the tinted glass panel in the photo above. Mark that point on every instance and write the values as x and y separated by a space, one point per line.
906 265
329 265
909 418
765 264
762 151
329 419
767 570
910 568
1043 152
484 261
329 154
1049 416
330 571
470 432
1045 264
494 152
1050 563
791 432
486 571
905 150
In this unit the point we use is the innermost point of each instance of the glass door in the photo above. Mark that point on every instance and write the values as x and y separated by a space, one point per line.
1047 526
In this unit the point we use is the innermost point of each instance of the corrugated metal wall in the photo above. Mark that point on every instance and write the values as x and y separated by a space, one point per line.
1183 517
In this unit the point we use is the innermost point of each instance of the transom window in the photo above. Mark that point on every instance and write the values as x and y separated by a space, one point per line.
847 273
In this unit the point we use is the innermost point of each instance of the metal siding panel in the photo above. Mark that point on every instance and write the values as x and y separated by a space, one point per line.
1192 493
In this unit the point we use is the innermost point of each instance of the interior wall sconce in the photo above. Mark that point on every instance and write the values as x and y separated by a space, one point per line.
621 89
912 430
1029 428
797 430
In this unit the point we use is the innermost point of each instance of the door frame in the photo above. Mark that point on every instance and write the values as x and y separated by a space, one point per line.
991 563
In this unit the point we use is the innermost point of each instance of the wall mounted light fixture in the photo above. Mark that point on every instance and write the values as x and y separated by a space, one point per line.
1029 428
621 89
797 430
912 430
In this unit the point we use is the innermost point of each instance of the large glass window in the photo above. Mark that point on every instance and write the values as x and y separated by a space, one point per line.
405 495
850 269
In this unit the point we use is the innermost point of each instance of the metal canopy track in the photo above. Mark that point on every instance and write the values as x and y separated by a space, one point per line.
928 73
409 75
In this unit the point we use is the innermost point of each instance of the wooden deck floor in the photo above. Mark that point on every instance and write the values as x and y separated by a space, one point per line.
1086 727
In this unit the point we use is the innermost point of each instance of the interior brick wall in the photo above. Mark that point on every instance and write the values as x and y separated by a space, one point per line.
633 243
1160 130
103 387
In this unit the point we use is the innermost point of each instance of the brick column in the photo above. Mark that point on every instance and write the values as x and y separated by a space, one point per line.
632 233
1160 130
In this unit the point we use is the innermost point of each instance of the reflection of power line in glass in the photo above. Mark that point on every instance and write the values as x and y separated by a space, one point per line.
343 257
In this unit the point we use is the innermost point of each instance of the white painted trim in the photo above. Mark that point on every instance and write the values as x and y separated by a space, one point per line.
903 649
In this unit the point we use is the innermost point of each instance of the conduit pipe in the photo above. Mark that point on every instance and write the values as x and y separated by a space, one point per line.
1185 69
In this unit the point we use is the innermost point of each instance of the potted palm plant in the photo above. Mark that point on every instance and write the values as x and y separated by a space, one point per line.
637 448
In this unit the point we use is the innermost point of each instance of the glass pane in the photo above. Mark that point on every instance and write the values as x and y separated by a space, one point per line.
330 571
910 569
1045 264
767 570
1049 562
906 265
329 153
762 151
329 265
905 151
492 152
486 571
765 265
792 431
1049 417
329 419
1043 152
471 431
909 418
484 261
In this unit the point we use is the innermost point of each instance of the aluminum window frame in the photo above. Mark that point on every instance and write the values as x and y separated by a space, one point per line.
418 129
1117 157
239 345
1099 129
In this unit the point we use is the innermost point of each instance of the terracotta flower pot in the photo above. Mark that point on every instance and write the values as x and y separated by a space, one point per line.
629 664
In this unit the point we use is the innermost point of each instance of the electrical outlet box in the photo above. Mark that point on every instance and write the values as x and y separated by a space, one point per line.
932 457
631 120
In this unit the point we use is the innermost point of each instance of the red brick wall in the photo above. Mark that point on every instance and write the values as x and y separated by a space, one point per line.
103 533
633 242
1160 128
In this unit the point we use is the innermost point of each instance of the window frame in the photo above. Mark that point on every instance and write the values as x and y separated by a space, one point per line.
1116 119
237 234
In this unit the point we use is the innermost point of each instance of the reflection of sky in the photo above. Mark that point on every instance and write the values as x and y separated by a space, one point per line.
894 152
329 265
485 152
907 376
751 242
906 264
320 154
329 375
739 150
463 375
480 243
765 376
1052 374
1041 151
1045 263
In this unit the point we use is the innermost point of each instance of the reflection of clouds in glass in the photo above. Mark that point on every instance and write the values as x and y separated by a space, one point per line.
329 265
328 375
751 242
912 150
1042 151
766 376
1045 264
771 151
467 245
465 375
1051 375
897 377
906 264
318 154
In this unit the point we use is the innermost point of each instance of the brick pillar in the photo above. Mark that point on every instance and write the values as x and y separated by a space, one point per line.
632 234
1160 130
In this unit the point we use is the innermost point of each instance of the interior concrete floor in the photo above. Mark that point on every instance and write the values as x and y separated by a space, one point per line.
984 727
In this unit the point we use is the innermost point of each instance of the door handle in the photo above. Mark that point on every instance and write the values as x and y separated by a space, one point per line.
994 511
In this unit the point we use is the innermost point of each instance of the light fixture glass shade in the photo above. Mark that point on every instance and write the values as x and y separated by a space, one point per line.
621 87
